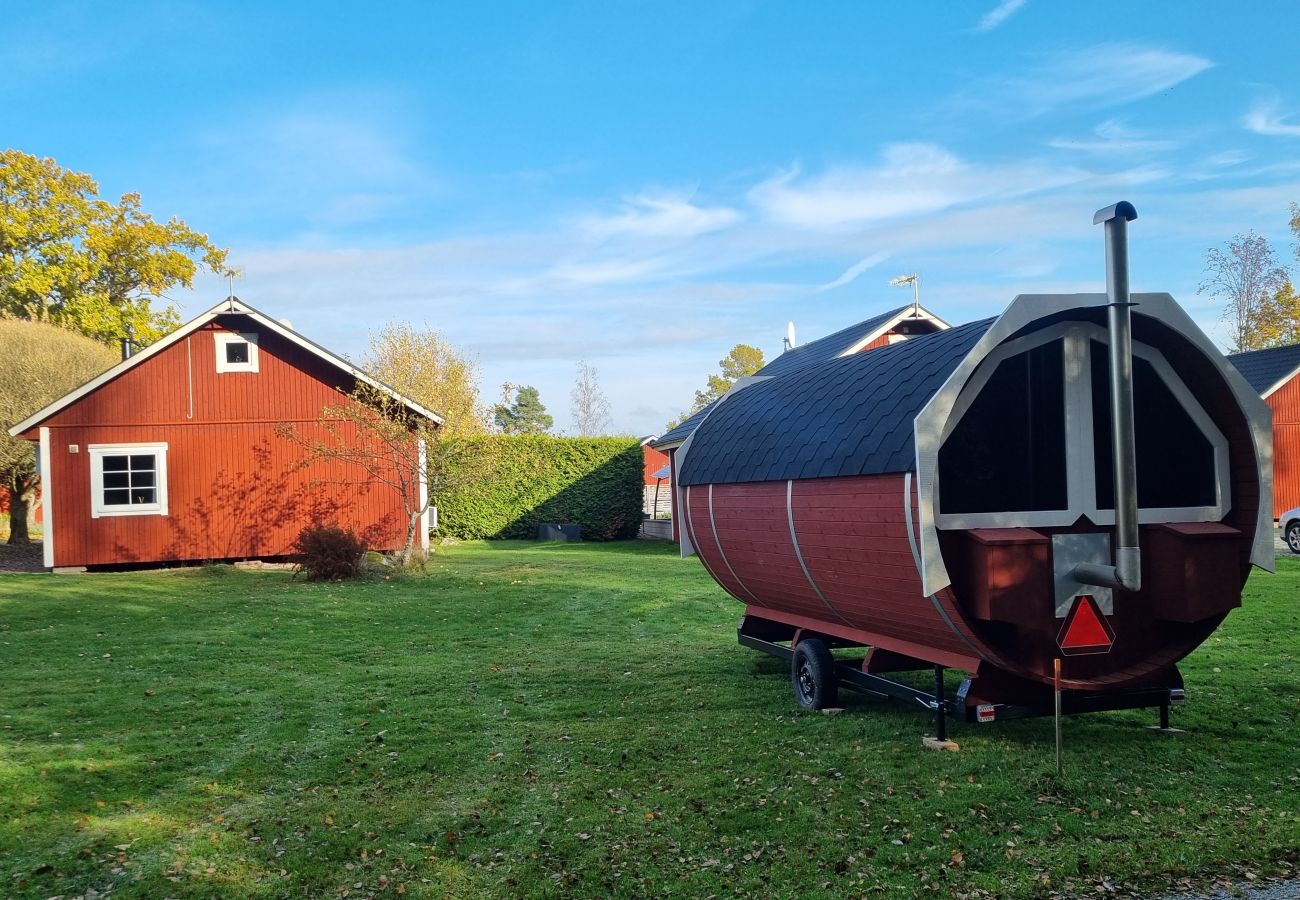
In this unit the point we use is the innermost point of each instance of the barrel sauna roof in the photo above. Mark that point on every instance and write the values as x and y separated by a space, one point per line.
683 430
848 416
1265 370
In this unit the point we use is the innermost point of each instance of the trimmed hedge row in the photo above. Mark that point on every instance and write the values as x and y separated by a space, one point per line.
520 481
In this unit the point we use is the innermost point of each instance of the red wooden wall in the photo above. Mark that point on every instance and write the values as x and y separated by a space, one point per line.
654 461
235 487
1285 403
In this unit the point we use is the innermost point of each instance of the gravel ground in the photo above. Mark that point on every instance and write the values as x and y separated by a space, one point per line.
1282 890
21 558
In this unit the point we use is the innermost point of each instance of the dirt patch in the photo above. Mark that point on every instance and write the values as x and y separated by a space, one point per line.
21 557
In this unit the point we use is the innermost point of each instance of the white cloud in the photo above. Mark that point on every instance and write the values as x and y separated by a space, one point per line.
1097 77
911 179
852 272
1264 118
662 215
999 14
1111 137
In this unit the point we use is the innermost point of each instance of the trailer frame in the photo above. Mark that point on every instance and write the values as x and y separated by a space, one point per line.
757 633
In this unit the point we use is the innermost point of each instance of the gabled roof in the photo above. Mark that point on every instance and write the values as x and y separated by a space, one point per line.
1268 370
227 307
846 340
848 416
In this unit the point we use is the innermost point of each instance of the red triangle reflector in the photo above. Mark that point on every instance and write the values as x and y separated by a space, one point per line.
1086 629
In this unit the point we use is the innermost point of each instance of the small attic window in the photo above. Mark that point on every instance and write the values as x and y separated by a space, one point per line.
236 352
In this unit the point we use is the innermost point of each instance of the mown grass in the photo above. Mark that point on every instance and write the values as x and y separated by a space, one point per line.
553 720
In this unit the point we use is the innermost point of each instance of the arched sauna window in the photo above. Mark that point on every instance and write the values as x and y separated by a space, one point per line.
1028 442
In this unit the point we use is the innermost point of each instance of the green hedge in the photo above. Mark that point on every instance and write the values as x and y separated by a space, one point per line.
516 482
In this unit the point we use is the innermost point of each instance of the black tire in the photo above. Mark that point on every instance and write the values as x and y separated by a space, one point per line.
1293 537
812 671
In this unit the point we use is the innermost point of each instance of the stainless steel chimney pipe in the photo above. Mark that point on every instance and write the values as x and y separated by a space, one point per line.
1127 571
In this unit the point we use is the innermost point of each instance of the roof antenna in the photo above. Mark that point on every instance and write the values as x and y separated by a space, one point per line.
788 340
231 275
914 279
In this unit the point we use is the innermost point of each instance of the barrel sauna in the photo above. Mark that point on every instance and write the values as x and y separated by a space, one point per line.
938 500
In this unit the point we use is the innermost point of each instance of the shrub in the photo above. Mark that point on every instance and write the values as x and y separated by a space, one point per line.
329 552
521 481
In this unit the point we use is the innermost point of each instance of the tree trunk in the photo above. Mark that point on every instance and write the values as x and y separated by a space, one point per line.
413 526
18 488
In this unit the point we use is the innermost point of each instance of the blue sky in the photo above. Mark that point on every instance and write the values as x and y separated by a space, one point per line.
643 185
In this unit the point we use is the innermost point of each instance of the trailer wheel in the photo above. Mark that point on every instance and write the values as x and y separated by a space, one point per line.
812 670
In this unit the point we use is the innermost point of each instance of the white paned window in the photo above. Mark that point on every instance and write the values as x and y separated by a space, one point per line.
236 352
128 479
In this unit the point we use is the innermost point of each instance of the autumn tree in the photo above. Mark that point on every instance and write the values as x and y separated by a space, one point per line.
423 365
1246 278
591 413
43 363
524 414
743 360
73 259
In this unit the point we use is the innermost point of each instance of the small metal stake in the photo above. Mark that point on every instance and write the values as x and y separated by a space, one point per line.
940 726
1056 684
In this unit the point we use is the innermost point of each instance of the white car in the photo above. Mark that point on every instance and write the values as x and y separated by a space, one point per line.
1289 522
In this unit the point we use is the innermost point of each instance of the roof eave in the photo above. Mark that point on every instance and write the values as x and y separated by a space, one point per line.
229 306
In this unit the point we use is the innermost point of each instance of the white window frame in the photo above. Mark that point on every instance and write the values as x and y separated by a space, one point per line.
1080 472
225 338
95 455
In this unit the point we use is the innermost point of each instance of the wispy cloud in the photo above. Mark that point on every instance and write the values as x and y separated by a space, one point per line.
1113 137
999 14
911 179
1265 118
852 272
1097 77
662 214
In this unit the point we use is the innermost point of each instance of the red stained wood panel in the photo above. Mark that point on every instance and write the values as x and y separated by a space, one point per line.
1285 403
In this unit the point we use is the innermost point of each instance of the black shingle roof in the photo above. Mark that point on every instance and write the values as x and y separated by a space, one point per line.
683 430
826 348
1264 368
849 416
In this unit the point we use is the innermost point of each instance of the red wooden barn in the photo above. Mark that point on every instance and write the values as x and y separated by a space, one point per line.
892 327
178 452
1275 374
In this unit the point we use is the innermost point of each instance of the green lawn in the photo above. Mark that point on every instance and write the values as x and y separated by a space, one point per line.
579 720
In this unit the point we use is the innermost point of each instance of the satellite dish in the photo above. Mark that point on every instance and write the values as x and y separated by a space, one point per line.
789 336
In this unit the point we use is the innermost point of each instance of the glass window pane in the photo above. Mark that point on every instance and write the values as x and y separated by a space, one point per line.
1007 454
142 461
142 479
1175 461
117 497
114 463
143 495
116 480
237 352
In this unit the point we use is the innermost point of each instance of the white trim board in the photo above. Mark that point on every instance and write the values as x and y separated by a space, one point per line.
47 502
229 306
884 329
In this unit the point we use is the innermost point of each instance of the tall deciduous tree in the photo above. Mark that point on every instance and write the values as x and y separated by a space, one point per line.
42 363
525 415
71 258
590 406
742 360
1247 279
423 365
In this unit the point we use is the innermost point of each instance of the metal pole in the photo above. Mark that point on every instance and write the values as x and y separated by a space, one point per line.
940 726
1056 684
1127 571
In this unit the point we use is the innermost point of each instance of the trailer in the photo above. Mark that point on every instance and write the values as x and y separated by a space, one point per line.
1060 501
